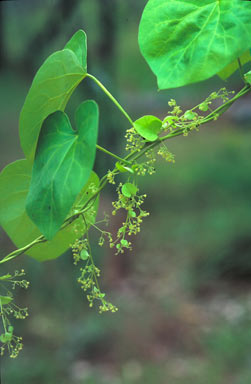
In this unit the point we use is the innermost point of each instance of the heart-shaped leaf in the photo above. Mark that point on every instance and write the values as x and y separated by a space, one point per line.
51 89
189 41
14 185
148 127
63 163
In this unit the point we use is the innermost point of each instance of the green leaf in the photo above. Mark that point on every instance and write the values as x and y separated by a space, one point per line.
189 41
63 163
190 115
132 213
84 255
6 337
123 168
124 242
203 107
5 277
78 45
50 91
129 189
148 127
14 185
5 299
247 77
232 67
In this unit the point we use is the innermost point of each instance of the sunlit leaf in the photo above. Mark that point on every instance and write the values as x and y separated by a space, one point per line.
189 41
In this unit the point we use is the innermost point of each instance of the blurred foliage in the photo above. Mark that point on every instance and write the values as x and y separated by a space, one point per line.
184 291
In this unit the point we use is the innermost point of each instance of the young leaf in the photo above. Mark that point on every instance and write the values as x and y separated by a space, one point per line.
123 168
189 41
5 277
247 77
6 337
78 45
5 299
84 255
14 185
51 89
148 127
63 163
232 67
190 115
129 189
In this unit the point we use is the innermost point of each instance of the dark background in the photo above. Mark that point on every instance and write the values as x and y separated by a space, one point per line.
184 291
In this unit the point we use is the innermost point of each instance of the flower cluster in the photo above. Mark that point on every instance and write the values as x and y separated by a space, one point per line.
131 202
147 166
165 154
88 278
11 342
8 308
134 141
192 118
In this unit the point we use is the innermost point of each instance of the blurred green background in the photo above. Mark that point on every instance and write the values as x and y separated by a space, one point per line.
183 293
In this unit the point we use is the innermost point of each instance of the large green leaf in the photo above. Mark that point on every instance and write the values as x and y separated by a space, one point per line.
14 185
51 89
63 163
232 67
188 41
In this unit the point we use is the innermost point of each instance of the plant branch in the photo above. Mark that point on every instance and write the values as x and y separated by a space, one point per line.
112 154
133 155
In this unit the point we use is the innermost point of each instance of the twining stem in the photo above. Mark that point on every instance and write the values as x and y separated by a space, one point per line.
215 114
132 156
20 251
110 97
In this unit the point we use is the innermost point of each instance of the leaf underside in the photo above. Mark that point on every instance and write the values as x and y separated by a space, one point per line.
189 41
14 185
63 163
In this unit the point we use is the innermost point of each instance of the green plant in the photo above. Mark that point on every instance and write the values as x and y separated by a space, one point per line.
49 200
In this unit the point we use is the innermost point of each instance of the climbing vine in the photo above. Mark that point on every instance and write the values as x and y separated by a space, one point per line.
49 200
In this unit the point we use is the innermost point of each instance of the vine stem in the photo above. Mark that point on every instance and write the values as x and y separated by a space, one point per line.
118 105
133 155
112 154
215 114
